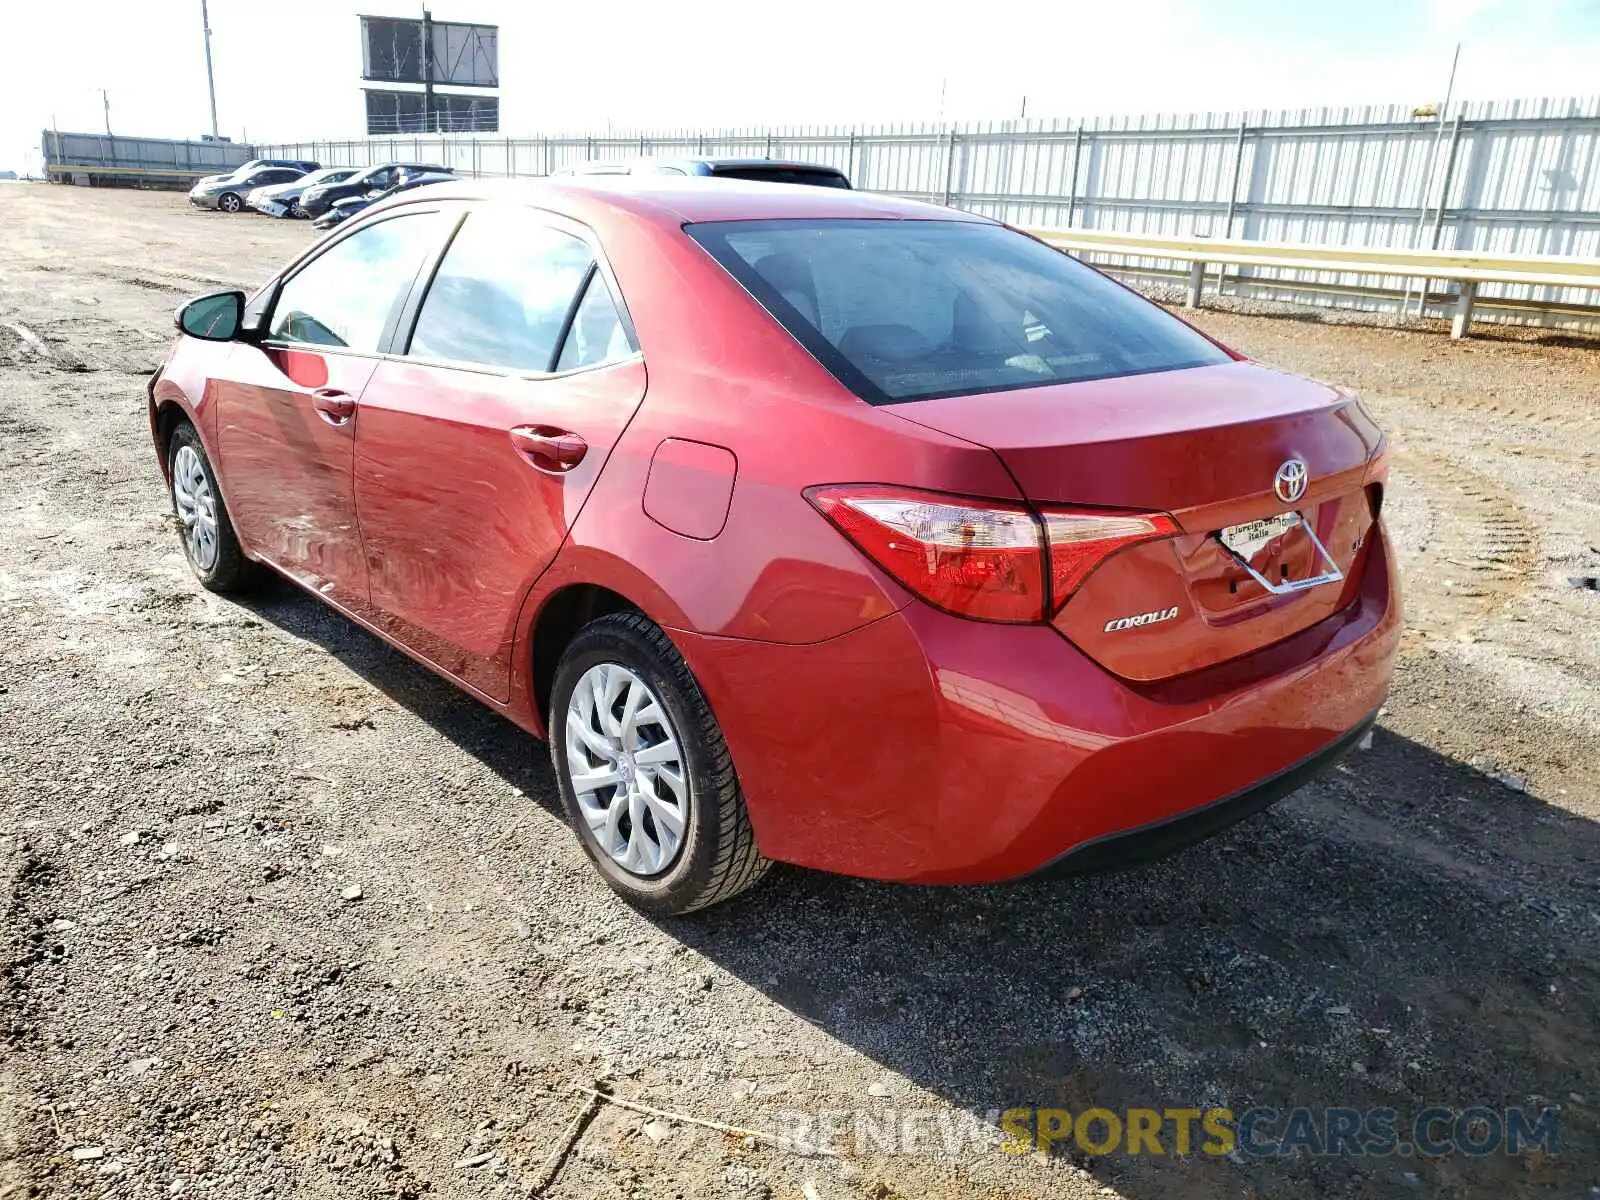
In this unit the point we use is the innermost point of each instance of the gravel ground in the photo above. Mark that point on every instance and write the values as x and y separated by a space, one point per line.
286 915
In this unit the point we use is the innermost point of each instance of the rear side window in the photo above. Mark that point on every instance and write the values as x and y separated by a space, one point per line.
344 297
502 293
597 334
783 175
913 310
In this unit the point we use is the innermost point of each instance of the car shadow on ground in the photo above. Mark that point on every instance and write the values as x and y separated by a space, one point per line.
1406 932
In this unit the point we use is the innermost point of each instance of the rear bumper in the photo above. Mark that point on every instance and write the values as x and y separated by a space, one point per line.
1151 842
926 748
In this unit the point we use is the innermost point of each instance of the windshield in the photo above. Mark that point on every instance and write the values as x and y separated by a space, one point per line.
912 310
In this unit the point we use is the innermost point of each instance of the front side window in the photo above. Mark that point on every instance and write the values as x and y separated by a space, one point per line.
911 310
502 293
345 296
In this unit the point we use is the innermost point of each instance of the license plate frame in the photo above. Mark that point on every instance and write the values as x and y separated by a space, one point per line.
1247 539
1251 536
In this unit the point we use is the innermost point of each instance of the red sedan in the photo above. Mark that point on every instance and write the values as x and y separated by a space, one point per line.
804 525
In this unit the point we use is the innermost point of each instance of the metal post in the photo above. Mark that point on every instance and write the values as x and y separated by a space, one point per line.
1463 315
211 80
949 166
850 158
1427 182
1449 177
111 141
428 116
1197 283
1072 185
1233 198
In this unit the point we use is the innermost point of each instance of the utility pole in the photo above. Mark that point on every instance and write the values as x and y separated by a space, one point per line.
105 102
427 72
211 80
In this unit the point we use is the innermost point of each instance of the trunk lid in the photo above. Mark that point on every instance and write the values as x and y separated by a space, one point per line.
1204 445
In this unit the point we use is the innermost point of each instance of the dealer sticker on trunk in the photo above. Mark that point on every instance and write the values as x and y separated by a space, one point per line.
1247 540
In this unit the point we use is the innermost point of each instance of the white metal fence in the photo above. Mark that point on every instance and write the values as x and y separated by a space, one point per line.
1510 177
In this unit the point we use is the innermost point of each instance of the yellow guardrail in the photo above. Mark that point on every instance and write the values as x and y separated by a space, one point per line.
1469 269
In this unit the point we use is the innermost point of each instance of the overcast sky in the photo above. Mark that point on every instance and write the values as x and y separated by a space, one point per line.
291 68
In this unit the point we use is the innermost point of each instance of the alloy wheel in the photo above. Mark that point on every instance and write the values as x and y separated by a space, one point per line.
196 505
228 203
627 769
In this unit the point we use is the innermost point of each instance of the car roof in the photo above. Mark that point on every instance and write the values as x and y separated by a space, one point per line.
676 200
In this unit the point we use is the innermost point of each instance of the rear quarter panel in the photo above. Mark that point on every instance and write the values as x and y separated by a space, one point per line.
724 374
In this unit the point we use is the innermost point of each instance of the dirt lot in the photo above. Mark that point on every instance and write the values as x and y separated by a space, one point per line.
188 786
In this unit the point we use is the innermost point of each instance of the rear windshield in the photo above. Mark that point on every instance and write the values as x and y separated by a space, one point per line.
783 175
913 310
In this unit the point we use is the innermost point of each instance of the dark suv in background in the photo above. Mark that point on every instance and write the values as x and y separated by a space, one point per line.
318 200
407 178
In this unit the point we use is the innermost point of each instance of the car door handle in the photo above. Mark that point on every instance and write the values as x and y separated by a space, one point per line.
549 449
334 406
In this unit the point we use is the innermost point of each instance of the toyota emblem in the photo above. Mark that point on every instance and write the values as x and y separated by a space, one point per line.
1290 481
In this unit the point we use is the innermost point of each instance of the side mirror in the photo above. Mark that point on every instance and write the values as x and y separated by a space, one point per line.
215 318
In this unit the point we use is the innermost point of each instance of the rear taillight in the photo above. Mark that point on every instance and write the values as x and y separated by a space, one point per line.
973 558
984 559
1081 541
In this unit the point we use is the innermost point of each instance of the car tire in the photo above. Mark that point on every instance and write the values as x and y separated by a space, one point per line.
715 857
205 531
229 202
293 211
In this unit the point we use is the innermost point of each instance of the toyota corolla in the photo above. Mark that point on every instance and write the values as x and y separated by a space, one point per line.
804 525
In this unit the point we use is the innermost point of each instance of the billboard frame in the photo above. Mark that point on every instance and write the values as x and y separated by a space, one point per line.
433 69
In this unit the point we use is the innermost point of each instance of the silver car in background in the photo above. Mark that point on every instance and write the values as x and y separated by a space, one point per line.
227 194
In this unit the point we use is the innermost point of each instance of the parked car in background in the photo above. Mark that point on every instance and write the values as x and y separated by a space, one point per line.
930 553
348 207
283 199
758 170
228 193
318 200
255 164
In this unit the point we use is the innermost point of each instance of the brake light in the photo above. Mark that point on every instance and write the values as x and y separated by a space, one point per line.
989 560
1081 541
976 559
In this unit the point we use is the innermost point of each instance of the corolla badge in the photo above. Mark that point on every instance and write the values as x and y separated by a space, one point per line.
1290 481
1149 618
